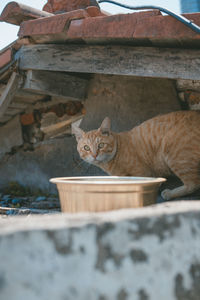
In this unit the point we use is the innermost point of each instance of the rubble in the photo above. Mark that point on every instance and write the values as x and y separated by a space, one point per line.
51 121
18 200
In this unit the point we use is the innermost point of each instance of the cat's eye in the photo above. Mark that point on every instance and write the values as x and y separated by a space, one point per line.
101 145
86 148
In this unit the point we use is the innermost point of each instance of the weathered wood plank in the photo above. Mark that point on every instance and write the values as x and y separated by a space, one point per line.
13 111
60 127
56 84
119 60
27 97
2 88
18 105
183 85
9 92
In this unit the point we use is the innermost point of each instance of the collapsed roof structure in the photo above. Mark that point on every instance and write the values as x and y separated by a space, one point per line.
62 49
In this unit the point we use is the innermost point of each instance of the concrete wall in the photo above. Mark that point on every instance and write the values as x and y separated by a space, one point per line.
52 158
143 254
126 100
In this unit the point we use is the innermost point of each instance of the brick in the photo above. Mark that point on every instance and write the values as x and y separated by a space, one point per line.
27 119
73 108
192 97
53 6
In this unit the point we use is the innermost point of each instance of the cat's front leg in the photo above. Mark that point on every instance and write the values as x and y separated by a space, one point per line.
179 192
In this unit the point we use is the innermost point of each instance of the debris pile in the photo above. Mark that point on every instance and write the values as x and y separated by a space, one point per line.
17 199
51 121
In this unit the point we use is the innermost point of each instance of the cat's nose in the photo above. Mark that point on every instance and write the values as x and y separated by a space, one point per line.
94 155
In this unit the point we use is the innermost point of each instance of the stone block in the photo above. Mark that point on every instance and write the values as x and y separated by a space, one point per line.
151 253
10 136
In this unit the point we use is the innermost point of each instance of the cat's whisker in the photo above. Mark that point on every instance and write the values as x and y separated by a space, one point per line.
80 164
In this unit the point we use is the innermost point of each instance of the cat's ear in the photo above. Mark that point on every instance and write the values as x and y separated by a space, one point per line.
78 132
105 126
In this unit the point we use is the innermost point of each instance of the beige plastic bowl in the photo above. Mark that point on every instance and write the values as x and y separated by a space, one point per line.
95 194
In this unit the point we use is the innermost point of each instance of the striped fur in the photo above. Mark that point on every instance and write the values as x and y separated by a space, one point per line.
167 144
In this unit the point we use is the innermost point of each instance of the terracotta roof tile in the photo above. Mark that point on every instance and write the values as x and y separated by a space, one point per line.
134 26
145 28
5 57
52 25
15 13
90 24
115 26
66 5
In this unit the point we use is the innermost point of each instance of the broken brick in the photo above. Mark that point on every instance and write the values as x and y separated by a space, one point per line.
192 97
27 119
73 108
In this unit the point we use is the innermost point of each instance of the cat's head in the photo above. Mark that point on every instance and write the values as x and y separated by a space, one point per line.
96 146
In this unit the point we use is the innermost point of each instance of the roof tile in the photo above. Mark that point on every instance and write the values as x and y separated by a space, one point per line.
15 13
136 26
68 5
146 27
5 57
51 25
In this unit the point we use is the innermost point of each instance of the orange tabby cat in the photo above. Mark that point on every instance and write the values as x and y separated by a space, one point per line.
167 144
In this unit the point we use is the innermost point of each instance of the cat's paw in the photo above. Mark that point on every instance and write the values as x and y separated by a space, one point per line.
166 194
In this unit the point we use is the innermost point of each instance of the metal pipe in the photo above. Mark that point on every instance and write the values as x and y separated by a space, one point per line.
180 18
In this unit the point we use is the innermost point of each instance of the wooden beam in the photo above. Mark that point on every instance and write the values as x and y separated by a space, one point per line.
56 84
119 60
60 127
13 111
183 85
2 88
27 97
9 92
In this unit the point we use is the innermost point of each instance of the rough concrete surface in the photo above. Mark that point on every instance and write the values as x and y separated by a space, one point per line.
127 100
52 158
10 136
150 253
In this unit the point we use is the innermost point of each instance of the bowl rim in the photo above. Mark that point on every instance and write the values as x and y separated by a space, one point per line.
102 180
